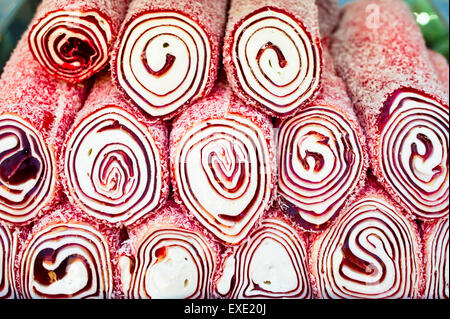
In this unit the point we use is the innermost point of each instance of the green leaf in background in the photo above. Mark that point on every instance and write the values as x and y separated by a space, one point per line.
434 27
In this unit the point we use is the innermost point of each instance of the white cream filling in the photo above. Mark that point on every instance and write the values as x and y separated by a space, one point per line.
154 36
282 89
421 189
24 209
124 196
65 23
200 191
125 272
175 276
272 263
271 267
183 269
379 237
223 284
306 188
71 240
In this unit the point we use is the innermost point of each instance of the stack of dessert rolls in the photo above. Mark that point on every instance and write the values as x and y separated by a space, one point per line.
312 163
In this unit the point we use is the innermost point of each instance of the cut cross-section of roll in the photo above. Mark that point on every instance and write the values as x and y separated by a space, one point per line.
272 263
272 54
169 257
167 54
66 257
72 40
436 260
8 247
223 164
115 160
35 113
321 156
401 101
372 251
26 170
414 152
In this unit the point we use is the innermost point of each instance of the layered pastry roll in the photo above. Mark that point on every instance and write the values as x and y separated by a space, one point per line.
170 256
272 53
223 164
168 51
372 251
380 51
322 155
36 111
115 163
271 263
72 39
66 256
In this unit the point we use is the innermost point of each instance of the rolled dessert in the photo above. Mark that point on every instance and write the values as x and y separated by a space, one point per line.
272 54
223 164
35 113
322 155
436 259
442 68
167 54
170 256
72 39
271 263
66 256
380 52
115 159
8 249
372 251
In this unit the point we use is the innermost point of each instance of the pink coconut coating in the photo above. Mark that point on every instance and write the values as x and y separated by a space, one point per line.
171 215
328 11
112 10
305 12
378 56
65 213
441 65
376 59
105 94
211 17
47 104
374 189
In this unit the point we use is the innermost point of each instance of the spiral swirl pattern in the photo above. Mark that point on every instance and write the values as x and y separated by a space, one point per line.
26 170
71 45
8 244
437 267
163 61
276 61
371 252
113 167
320 159
414 152
169 263
66 261
270 264
223 175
